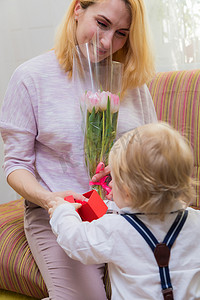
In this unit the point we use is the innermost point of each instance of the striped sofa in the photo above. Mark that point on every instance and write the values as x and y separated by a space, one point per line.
176 96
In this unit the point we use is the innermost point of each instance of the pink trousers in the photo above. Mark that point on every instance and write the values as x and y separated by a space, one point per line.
65 278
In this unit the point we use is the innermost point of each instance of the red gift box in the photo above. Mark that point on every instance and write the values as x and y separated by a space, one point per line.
92 209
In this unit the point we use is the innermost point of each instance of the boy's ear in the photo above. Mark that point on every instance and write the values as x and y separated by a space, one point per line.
126 193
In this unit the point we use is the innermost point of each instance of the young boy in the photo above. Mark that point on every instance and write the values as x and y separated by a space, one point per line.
151 170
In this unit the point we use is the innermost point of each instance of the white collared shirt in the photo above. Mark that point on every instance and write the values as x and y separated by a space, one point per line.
133 271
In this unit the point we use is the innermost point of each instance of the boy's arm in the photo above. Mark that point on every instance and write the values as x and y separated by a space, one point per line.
88 242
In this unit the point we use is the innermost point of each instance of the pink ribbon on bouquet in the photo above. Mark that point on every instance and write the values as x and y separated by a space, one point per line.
102 181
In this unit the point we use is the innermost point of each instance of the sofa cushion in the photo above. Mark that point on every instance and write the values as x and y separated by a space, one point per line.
176 97
18 270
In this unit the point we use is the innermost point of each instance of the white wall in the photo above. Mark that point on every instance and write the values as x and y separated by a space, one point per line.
27 28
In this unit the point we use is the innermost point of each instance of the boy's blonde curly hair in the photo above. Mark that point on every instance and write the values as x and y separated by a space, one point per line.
153 165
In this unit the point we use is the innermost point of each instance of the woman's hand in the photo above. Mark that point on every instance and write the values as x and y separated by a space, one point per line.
61 195
104 172
53 204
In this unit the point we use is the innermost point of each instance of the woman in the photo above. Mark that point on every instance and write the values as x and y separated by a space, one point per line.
41 129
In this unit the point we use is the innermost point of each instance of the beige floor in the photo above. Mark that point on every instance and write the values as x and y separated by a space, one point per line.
6 295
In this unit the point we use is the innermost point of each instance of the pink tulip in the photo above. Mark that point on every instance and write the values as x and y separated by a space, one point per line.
92 100
103 100
114 102
99 100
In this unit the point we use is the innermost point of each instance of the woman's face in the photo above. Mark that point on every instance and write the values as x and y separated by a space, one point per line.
107 22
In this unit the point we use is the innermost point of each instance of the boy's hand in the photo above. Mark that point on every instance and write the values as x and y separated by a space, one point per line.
57 202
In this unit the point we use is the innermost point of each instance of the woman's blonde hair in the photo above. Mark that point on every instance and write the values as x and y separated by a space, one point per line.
153 165
136 55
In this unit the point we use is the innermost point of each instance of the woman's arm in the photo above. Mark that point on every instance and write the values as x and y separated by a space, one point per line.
25 184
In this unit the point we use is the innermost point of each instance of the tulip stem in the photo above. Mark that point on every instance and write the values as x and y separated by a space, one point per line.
103 137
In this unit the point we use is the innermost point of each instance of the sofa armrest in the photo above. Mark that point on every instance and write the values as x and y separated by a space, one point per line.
18 270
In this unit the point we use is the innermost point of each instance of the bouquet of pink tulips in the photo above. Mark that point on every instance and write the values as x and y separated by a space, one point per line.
101 125
99 81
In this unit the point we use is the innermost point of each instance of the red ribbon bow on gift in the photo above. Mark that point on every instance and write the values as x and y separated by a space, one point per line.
102 181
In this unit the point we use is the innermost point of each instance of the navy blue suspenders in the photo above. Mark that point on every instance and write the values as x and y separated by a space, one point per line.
161 250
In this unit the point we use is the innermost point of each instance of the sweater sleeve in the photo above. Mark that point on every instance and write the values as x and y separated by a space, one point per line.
148 105
18 123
